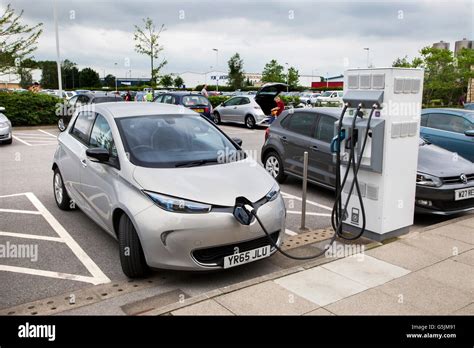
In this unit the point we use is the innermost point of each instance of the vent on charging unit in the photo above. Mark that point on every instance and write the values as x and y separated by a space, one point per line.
353 81
378 81
364 81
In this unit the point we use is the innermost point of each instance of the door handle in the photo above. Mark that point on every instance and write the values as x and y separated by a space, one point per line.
84 162
235 107
314 148
283 140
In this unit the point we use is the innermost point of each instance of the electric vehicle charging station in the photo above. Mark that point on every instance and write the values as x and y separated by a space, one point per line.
384 107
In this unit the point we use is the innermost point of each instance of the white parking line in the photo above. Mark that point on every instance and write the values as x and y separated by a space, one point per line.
290 232
21 141
43 131
288 195
34 212
308 213
98 277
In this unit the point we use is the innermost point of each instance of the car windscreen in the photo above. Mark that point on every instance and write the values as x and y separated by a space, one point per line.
194 100
168 141
326 94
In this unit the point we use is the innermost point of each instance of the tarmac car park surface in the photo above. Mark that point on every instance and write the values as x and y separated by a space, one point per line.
74 253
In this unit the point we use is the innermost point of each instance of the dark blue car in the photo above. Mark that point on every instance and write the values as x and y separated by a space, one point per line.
452 129
195 102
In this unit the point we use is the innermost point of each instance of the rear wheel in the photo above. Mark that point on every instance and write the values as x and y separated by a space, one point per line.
249 122
217 118
132 257
274 166
61 196
61 125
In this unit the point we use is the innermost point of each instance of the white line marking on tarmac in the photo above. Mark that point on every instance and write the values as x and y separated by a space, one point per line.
43 131
307 213
70 242
288 195
32 135
290 232
34 212
21 141
57 275
31 236
12 195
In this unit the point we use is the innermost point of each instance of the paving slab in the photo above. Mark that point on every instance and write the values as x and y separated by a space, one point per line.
320 285
209 307
441 246
455 274
468 310
426 294
466 258
267 298
368 270
404 255
456 231
467 222
319 311
373 302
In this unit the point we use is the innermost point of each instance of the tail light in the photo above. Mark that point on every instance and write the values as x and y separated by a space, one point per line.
206 109
267 133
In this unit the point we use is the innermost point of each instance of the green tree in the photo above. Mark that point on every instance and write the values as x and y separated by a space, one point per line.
273 72
147 43
236 72
464 63
26 79
178 82
17 40
89 78
293 77
166 81
49 76
70 74
109 81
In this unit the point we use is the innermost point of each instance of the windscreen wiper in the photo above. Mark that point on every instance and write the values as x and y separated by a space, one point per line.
195 163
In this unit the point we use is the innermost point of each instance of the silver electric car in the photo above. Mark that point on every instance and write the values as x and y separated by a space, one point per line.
241 109
165 182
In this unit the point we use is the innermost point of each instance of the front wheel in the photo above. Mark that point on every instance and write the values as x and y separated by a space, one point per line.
249 122
217 118
132 257
61 196
274 166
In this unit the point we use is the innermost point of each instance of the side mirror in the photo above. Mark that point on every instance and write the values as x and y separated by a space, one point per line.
238 141
2 108
469 133
98 154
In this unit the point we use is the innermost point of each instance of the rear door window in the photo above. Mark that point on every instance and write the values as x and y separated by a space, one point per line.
302 123
244 101
325 128
446 122
424 120
82 126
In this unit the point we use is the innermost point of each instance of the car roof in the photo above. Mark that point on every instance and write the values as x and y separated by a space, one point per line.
327 110
130 109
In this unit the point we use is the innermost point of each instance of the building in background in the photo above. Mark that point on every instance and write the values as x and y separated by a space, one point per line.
330 82
11 80
441 45
464 43
192 78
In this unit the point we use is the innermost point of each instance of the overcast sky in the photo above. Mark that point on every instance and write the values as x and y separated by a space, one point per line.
317 37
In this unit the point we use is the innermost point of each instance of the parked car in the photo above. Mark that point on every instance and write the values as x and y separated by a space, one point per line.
128 167
6 136
83 99
241 109
195 102
266 95
441 189
334 97
452 129
309 98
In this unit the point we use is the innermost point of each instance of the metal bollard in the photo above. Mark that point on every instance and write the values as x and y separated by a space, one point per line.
305 184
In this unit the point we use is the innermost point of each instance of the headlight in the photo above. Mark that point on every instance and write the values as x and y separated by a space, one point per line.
273 193
428 180
177 205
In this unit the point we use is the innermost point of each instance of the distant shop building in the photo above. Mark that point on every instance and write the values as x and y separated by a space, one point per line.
330 82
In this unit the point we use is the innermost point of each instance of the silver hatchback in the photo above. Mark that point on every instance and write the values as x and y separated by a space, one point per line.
239 109
165 181
5 128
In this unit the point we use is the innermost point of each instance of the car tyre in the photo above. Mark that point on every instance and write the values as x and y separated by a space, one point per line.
132 257
61 125
274 166
61 196
217 118
249 122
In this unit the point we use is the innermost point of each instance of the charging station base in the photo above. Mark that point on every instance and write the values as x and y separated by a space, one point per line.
373 235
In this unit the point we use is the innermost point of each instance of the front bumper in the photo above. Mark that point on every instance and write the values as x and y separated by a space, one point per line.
170 240
442 200
5 133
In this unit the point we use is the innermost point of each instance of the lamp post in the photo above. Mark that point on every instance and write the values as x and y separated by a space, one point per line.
287 78
217 67
58 59
327 80
116 78
368 53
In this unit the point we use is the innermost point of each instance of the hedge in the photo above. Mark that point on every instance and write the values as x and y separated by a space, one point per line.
29 109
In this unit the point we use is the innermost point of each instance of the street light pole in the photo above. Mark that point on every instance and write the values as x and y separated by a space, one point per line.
217 67
116 78
368 52
287 78
58 60
327 80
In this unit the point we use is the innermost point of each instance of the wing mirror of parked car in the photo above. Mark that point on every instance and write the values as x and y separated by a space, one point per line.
2 108
469 132
238 141
98 154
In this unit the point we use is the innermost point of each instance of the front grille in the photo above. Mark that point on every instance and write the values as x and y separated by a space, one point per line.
215 255
454 205
457 179
4 136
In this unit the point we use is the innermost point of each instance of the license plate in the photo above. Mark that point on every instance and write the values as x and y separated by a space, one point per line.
464 194
246 256
199 110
